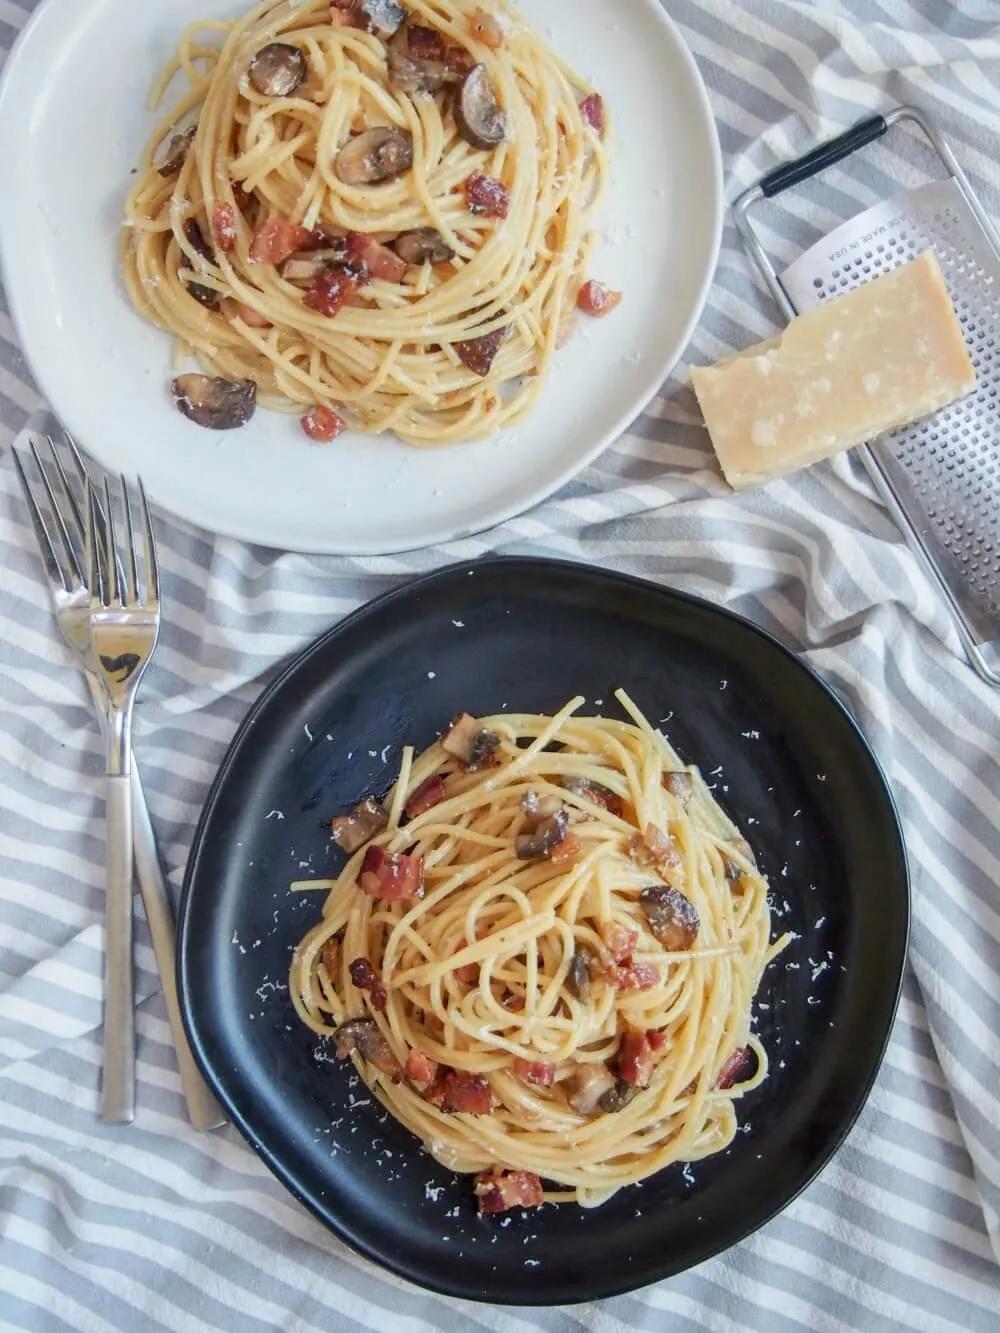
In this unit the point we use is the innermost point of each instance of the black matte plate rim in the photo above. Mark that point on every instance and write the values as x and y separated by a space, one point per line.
443 1284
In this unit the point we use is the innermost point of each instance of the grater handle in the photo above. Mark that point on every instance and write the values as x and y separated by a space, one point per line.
834 150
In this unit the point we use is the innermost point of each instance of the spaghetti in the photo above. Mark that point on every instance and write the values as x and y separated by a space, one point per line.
372 211
542 955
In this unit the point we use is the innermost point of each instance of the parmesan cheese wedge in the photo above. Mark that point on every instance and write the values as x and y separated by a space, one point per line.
879 357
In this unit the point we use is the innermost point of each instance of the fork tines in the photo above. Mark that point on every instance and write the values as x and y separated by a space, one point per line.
77 544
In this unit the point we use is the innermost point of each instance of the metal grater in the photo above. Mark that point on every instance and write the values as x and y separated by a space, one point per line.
940 478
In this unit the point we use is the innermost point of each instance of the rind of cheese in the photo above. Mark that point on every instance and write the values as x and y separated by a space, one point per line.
877 358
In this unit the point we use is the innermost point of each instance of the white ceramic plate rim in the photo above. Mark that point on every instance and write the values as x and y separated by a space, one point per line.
659 366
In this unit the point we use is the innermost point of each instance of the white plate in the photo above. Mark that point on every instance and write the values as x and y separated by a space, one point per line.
72 122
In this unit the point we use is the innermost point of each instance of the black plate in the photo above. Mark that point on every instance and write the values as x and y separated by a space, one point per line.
793 770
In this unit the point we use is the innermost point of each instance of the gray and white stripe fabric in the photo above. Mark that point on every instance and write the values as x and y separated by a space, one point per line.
157 1227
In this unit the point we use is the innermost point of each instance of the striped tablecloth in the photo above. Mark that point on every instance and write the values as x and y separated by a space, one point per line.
155 1226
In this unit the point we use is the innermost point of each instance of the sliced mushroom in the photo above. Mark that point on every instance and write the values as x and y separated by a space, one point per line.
549 834
482 750
733 870
384 16
579 973
206 296
376 155
353 830
305 267
618 1097
680 785
480 353
538 807
588 1085
654 848
215 403
277 69
478 115
196 240
672 918
177 151
423 246
466 740
363 1034
418 67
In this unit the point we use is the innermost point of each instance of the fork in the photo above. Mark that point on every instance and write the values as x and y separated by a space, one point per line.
63 557
124 627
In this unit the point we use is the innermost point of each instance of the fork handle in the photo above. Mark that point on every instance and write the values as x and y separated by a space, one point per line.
203 1110
118 1095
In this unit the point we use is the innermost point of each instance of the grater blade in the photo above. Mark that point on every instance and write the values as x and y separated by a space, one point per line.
944 472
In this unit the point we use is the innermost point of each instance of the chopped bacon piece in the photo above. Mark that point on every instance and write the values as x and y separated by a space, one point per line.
593 111
593 791
458 61
598 300
635 1059
378 259
364 977
425 797
498 1191
656 1039
540 1073
333 288
486 29
275 239
317 239
468 973
391 876
468 1093
323 424
737 1069
568 850
629 975
330 957
224 227
435 1094
347 14
253 318
424 43
458 1090
618 940
362 973
420 1068
486 196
